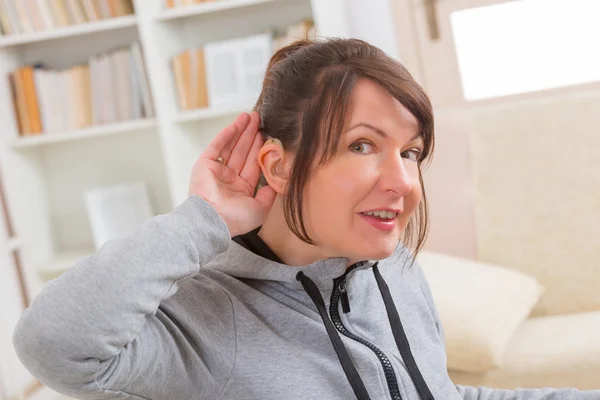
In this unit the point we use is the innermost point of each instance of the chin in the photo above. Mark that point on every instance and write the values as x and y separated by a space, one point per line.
377 251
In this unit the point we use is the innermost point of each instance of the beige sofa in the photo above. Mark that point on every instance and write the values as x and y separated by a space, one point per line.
517 184
495 335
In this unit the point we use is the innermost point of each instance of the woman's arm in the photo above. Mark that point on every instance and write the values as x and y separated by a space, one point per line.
96 331
483 393
102 330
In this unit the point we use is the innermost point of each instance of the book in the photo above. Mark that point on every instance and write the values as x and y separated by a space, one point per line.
142 79
33 13
20 106
6 26
189 73
23 17
13 16
31 99
91 10
75 11
59 12
82 101
45 13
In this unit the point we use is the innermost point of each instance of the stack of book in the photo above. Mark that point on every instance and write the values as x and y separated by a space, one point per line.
111 87
189 71
179 3
229 71
26 16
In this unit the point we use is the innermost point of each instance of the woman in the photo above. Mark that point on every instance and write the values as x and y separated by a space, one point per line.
272 294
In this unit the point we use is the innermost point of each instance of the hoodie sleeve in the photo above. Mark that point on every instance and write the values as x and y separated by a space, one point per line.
97 331
483 393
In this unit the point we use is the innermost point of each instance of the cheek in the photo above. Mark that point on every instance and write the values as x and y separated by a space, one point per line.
416 194
332 195
342 187
411 203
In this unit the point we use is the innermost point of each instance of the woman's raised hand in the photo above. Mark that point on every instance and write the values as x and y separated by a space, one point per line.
227 173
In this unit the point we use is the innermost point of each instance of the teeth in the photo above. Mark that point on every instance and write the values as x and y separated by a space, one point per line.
381 214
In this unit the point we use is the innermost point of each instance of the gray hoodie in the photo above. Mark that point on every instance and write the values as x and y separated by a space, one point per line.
180 311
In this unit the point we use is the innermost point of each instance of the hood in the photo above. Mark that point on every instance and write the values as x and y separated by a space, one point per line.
240 262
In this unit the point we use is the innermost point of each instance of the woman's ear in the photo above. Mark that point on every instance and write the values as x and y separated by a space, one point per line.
272 161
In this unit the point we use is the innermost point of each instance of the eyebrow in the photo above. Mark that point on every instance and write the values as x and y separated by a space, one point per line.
382 133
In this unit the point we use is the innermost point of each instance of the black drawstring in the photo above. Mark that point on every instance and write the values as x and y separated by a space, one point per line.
400 337
397 329
351 374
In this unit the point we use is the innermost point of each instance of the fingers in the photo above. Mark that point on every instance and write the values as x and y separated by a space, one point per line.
251 171
265 197
223 144
221 172
244 144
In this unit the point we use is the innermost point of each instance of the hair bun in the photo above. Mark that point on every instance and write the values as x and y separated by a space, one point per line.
277 57
287 51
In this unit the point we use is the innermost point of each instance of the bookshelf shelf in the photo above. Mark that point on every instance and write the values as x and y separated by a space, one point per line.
208 113
96 131
109 24
62 261
206 8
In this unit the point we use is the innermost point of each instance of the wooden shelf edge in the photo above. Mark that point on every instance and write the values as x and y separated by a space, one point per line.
69 31
205 8
95 131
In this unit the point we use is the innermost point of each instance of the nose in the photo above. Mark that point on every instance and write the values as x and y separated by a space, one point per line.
397 175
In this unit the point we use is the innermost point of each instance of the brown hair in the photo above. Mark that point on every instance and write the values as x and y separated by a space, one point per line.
305 102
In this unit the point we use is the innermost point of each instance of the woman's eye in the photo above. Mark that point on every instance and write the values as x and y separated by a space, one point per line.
362 147
416 154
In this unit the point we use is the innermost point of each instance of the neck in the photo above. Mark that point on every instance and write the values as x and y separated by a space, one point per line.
282 241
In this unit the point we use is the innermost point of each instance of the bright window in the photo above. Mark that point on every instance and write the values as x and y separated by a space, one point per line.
527 45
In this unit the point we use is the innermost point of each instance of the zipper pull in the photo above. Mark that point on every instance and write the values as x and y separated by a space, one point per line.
344 297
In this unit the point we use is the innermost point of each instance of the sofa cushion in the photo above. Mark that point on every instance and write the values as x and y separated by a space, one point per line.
480 306
555 351
537 203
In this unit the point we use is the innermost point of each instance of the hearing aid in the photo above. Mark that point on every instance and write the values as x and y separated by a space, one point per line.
275 141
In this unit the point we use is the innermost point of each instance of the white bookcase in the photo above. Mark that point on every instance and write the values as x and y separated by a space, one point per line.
45 177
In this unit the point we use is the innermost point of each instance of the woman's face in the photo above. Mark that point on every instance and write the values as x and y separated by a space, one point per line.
359 203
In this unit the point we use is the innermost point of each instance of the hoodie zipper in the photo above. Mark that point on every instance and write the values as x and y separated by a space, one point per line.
340 293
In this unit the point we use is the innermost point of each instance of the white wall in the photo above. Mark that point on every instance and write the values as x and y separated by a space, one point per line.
371 20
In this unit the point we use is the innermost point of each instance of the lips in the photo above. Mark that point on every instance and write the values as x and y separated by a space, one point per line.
379 223
383 214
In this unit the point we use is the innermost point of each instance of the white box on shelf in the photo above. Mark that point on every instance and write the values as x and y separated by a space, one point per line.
117 211
235 68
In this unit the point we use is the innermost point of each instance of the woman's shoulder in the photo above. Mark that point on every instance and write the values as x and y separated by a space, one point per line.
200 296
